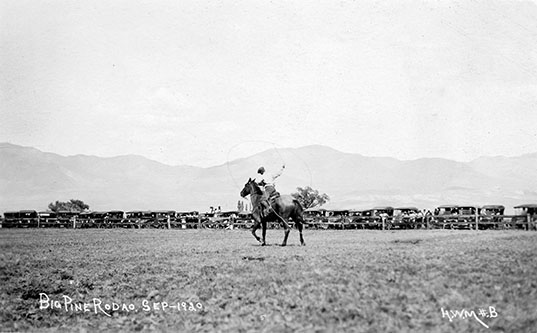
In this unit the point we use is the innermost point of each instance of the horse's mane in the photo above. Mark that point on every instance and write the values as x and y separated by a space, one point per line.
256 187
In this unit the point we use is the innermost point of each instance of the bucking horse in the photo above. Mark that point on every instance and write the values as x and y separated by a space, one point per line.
283 208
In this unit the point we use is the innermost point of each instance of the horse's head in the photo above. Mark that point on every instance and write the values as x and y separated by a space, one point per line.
250 188
246 189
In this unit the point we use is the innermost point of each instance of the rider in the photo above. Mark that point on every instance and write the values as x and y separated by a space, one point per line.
267 182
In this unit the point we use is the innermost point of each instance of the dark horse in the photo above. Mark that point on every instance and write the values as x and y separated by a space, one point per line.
283 208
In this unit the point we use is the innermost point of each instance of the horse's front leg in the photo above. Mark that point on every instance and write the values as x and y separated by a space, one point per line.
264 225
254 229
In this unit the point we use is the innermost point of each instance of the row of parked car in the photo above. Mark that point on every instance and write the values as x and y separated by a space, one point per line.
121 219
447 216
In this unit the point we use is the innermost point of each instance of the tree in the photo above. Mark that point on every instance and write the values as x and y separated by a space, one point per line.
72 205
309 197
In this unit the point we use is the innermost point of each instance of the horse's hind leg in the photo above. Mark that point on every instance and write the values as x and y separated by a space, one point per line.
286 231
300 226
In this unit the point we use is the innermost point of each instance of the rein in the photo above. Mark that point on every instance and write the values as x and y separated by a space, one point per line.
255 194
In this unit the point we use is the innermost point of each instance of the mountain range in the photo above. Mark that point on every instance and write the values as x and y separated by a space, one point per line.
31 179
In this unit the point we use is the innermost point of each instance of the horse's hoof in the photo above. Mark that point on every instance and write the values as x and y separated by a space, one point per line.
284 244
263 244
303 244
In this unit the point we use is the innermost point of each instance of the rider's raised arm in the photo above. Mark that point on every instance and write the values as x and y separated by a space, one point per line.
279 173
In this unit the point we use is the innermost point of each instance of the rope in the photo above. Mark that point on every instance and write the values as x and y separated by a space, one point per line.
276 213
241 143
277 151
271 208
281 159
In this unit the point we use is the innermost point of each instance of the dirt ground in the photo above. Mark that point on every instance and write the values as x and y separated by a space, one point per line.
222 280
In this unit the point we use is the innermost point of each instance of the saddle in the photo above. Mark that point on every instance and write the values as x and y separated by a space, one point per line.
269 200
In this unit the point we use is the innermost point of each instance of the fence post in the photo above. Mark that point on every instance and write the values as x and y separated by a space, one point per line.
476 220
74 222
528 219
383 222
169 225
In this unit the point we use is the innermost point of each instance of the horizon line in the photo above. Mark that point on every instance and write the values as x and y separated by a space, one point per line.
262 152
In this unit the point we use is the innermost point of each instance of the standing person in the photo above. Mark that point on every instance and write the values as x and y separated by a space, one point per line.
267 183
419 219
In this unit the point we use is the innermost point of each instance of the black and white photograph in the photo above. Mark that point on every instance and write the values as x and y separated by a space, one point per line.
268 166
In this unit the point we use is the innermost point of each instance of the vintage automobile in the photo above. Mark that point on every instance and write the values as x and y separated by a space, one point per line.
218 220
84 220
387 210
489 210
373 218
47 219
157 219
314 212
347 219
362 218
21 219
134 219
315 218
337 219
100 219
244 220
28 218
226 219
187 220
525 218
446 216
358 219
206 219
491 216
162 217
115 218
151 219
66 218
467 217
147 219
406 218
11 219
381 217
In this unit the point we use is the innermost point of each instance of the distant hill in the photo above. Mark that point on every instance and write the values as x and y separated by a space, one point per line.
30 179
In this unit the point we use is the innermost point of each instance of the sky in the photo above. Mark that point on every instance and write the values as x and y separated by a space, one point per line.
201 82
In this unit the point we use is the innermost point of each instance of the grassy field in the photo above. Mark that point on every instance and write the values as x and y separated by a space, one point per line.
365 281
